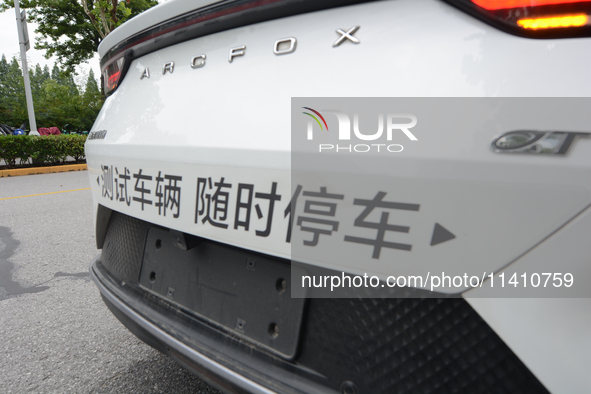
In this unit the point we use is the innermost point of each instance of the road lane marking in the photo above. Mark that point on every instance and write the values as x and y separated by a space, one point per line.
44 194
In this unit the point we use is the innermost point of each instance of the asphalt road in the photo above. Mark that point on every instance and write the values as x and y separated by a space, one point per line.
56 334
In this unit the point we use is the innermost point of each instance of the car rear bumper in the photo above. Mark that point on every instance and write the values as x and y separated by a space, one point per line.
136 320
365 345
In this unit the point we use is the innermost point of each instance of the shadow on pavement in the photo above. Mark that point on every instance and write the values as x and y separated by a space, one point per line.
8 287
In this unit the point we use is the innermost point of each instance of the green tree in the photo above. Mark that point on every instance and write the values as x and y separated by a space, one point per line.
92 102
91 88
3 95
37 78
71 85
58 106
72 29
3 65
55 74
46 74
59 101
13 107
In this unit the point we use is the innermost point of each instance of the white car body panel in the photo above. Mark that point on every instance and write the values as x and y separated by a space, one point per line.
233 119
550 335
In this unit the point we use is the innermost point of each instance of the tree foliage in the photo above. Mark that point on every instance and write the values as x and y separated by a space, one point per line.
13 106
71 30
58 101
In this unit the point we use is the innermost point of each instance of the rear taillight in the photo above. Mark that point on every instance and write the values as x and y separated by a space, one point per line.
112 74
533 18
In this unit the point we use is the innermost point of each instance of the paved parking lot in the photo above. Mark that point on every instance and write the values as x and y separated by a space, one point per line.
56 334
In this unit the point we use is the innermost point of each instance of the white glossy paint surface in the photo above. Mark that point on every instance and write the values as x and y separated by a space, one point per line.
233 120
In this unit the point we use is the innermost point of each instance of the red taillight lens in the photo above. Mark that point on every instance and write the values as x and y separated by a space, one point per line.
506 4
534 18
112 74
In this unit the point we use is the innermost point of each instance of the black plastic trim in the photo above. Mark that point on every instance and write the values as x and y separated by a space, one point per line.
403 345
206 368
198 346
225 15
103 216
218 17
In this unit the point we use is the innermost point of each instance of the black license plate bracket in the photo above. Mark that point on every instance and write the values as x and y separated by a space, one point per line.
244 292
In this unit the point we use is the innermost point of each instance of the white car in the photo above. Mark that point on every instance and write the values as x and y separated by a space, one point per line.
257 228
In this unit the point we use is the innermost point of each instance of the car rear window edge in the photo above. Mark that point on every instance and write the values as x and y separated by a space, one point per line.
211 19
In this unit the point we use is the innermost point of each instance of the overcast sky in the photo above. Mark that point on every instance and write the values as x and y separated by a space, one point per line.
9 45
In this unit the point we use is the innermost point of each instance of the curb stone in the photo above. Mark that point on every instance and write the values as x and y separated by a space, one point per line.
43 170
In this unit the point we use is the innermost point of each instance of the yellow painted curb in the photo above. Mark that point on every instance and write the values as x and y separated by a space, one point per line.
71 167
43 170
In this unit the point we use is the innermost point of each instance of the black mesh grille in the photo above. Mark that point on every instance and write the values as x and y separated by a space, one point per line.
399 345
410 346
124 246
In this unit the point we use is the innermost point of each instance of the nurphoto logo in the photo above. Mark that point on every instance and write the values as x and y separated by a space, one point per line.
392 124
